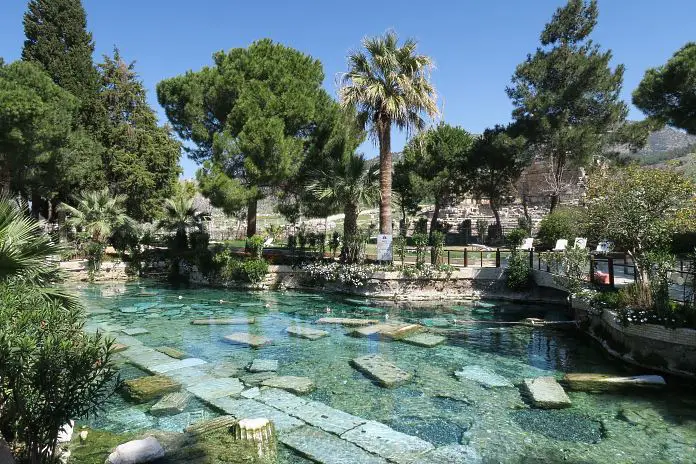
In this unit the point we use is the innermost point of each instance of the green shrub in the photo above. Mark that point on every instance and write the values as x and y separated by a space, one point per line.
399 243
420 241
518 275
254 246
354 247
524 224
514 238
50 370
437 244
421 226
249 270
481 229
334 243
562 223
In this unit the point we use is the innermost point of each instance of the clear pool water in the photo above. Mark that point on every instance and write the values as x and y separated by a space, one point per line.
436 406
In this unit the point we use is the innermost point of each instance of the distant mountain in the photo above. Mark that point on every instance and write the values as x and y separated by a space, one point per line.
666 144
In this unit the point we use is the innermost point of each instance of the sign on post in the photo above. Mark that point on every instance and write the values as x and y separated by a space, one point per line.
384 247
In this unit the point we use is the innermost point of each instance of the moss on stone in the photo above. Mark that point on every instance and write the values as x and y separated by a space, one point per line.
97 447
149 388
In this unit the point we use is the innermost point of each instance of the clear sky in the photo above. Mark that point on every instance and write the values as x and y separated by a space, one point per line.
475 44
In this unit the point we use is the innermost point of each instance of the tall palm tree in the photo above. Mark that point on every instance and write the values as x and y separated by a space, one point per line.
389 86
97 214
26 253
347 181
180 215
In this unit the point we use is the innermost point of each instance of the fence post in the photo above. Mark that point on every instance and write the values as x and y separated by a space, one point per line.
610 265
497 257
592 265
531 259
466 257
625 263
481 257
448 257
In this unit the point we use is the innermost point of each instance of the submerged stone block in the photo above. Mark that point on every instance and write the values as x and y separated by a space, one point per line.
347 322
263 365
247 339
135 331
212 425
546 393
425 340
380 370
386 442
325 448
484 376
149 388
171 352
603 382
174 365
170 404
306 333
451 454
218 388
297 385
118 347
228 321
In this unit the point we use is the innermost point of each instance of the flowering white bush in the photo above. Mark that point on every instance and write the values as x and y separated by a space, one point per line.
354 275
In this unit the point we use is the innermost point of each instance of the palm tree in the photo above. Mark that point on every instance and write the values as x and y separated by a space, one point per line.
347 181
97 214
180 216
388 85
26 252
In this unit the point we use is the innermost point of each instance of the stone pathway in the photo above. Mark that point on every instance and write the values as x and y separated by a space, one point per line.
483 376
311 428
380 370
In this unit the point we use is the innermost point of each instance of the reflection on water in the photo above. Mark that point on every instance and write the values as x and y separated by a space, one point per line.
435 405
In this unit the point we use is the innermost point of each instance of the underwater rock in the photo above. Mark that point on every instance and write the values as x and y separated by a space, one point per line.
118 347
171 352
546 393
306 333
256 379
435 430
603 382
226 369
263 365
297 385
347 322
213 425
130 310
563 425
170 404
135 331
136 452
251 393
176 365
218 388
380 370
149 388
643 417
425 340
243 338
483 376
388 443
452 454
324 447
389 330
227 321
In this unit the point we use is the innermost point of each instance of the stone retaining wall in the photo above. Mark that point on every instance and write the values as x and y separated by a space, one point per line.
111 271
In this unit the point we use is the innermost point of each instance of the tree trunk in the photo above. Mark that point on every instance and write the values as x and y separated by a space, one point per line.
498 223
350 228
527 217
5 180
385 176
554 202
436 215
251 217
36 205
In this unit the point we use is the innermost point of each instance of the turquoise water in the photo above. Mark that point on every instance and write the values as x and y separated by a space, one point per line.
435 405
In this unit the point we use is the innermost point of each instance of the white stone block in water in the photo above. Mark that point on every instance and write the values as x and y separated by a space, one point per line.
483 376
306 333
263 365
382 371
546 393
136 452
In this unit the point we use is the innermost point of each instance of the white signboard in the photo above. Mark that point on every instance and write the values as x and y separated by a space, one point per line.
384 247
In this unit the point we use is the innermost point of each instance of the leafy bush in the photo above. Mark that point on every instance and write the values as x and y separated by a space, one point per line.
50 371
334 243
514 238
249 270
400 247
421 226
420 241
354 247
518 275
562 223
353 275
254 246
524 224
437 244
428 272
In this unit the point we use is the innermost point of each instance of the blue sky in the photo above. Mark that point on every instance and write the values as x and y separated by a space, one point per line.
475 44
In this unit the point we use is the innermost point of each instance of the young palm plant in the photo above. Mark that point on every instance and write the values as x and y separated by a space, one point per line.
96 216
389 86
180 215
347 181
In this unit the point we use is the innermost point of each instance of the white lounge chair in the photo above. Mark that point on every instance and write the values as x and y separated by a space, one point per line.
580 242
268 242
561 245
603 247
527 243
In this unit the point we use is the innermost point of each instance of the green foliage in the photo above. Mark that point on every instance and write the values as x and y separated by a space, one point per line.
566 96
667 94
180 216
563 223
388 85
482 230
57 40
249 115
408 195
354 247
437 245
399 243
514 238
50 370
420 241
640 210
254 246
518 275
97 214
525 224
35 120
334 243
494 166
570 267
251 270
141 159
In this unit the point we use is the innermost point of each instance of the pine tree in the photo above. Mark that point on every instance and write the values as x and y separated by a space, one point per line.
566 95
141 159
57 40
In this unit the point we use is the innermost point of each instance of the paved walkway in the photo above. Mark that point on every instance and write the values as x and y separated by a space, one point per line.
313 429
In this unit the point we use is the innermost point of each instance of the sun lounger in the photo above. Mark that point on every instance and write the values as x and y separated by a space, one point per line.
603 246
527 244
268 242
561 245
580 242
